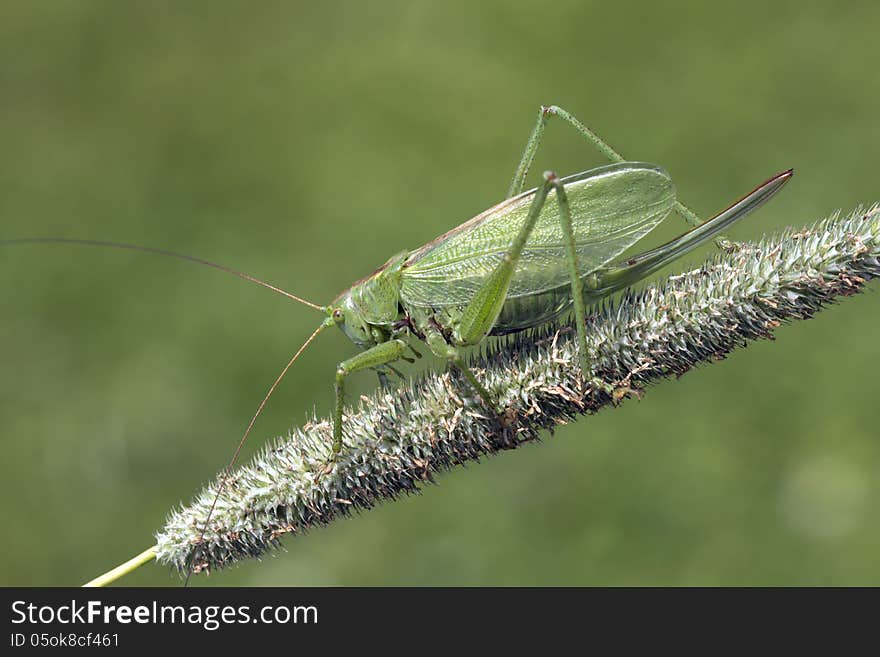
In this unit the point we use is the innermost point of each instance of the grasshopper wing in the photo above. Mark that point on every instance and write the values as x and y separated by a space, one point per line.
612 208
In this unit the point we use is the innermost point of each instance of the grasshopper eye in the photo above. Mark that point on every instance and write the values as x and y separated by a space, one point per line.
338 316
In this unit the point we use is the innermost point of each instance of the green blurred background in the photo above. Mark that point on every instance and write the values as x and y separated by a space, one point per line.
307 142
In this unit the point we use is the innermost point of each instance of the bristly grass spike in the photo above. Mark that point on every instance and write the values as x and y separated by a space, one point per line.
535 256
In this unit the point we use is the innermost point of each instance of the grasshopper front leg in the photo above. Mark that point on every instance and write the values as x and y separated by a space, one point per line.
376 356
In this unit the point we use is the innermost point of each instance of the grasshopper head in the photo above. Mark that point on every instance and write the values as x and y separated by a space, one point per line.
345 314
370 306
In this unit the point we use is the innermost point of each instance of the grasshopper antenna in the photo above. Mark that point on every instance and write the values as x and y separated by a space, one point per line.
228 470
170 254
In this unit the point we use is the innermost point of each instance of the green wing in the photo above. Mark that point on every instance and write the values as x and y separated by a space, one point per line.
612 208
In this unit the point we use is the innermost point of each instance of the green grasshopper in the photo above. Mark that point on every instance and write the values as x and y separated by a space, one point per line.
520 264
532 258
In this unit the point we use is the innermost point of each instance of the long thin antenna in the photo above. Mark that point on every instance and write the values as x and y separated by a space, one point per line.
228 470
150 249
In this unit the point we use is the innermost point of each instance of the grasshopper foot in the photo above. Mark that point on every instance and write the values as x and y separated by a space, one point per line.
728 246
617 393
328 468
622 392
598 385
333 459
507 417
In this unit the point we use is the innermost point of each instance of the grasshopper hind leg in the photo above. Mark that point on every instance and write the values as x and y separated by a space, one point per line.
480 315
534 143
577 291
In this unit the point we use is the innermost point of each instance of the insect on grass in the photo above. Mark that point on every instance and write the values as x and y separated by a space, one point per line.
521 264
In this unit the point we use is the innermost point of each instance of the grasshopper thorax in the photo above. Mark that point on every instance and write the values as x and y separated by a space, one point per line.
366 310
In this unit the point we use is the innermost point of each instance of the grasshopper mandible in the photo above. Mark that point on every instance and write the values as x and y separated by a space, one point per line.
530 259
